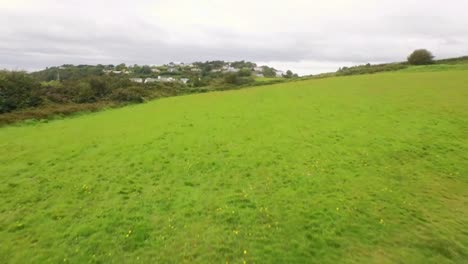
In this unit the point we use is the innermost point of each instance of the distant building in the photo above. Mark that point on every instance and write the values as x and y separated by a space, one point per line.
231 69
137 80
195 70
184 80
279 73
165 79
150 80
155 70
258 69
116 72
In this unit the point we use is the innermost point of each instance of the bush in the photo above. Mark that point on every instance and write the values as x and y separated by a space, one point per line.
132 94
99 86
369 69
420 57
18 90
236 79
245 72
83 93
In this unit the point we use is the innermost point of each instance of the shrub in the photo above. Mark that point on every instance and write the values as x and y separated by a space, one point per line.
245 72
369 69
236 79
18 90
231 78
420 57
83 93
132 94
99 86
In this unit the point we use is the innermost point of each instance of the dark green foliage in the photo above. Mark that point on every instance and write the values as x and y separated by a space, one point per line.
83 93
231 78
121 67
368 69
237 79
245 72
207 66
99 86
17 90
52 111
289 74
268 72
243 64
145 69
420 57
133 94
88 84
68 72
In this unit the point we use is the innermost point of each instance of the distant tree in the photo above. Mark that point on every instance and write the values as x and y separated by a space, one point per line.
289 74
420 57
121 67
243 64
268 72
245 72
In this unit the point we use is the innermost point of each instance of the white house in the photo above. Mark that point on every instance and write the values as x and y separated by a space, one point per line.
184 80
195 70
155 70
137 80
231 69
165 79
150 80
279 73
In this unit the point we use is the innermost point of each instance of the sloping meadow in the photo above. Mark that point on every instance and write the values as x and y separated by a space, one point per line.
361 169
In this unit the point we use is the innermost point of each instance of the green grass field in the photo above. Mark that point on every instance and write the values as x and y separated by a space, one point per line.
437 67
361 169
267 79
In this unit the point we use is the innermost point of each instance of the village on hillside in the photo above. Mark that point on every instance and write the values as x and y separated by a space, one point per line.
185 73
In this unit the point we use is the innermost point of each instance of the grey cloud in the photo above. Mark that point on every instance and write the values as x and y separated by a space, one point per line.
34 39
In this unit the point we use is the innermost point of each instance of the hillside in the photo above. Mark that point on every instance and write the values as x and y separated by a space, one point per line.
355 169
68 89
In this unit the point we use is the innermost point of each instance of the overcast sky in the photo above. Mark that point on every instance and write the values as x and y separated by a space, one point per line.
302 35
